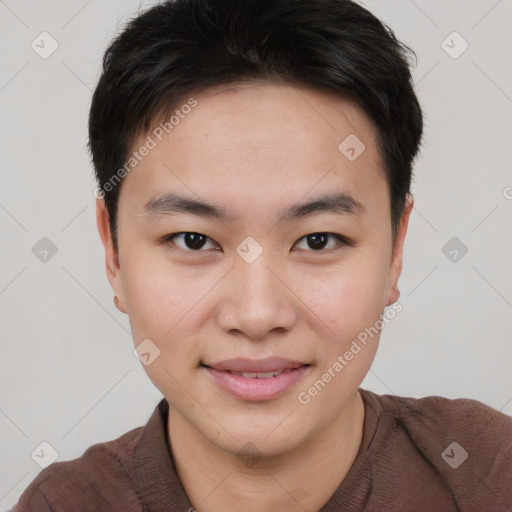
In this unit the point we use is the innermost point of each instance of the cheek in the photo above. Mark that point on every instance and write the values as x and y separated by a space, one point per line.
154 294
346 299
161 309
164 304
149 308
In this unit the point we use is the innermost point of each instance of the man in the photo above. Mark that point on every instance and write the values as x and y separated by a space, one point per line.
254 162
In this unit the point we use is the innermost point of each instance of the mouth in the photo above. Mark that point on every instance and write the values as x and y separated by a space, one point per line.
260 375
255 380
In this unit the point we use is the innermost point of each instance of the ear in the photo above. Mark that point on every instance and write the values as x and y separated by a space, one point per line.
111 258
393 293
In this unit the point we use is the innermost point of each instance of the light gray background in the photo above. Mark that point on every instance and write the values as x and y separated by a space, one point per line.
68 374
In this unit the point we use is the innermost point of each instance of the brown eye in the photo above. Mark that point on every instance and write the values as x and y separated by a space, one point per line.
318 241
190 241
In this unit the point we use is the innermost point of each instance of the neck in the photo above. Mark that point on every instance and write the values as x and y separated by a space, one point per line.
302 479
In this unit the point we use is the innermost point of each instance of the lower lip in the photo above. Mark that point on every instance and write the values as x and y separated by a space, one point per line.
248 388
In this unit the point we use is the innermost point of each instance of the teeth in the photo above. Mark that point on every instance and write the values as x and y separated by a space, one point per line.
259 375
263 375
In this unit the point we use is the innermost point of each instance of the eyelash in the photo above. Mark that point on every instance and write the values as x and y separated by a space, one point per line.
342 241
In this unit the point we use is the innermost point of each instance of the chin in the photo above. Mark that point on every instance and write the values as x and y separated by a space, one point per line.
250 449
262 435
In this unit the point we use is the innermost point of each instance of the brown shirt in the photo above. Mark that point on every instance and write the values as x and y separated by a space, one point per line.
430 454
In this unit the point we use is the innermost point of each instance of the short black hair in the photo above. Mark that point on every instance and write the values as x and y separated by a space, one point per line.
180 47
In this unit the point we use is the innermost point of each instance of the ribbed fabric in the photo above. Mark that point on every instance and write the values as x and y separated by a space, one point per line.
399 467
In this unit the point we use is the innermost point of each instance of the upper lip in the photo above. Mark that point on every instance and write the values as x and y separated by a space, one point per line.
270 364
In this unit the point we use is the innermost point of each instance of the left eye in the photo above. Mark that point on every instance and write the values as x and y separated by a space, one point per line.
194 242
317 241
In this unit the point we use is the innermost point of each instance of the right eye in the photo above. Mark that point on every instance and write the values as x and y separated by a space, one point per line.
190 241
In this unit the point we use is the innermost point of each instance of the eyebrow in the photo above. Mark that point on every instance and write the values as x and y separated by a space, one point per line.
173 203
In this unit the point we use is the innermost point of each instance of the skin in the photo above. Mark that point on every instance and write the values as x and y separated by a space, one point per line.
257 149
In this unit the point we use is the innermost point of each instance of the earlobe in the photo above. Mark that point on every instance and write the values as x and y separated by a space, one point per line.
112 266
118 305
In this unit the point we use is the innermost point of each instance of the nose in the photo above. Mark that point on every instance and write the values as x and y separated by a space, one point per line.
256 300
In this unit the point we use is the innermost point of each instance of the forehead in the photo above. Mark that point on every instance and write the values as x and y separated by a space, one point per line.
264 141
266 110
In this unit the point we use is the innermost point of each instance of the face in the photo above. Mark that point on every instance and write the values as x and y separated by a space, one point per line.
257 283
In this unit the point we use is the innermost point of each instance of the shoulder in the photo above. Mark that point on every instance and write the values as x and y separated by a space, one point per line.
465 418
93 481
466 443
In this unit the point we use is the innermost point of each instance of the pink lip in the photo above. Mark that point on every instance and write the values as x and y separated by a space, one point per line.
270 364
253 388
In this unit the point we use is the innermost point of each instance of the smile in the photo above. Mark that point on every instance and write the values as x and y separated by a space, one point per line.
261 375
253 380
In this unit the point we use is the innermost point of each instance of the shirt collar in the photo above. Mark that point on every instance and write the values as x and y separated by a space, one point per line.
158 484
159 487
